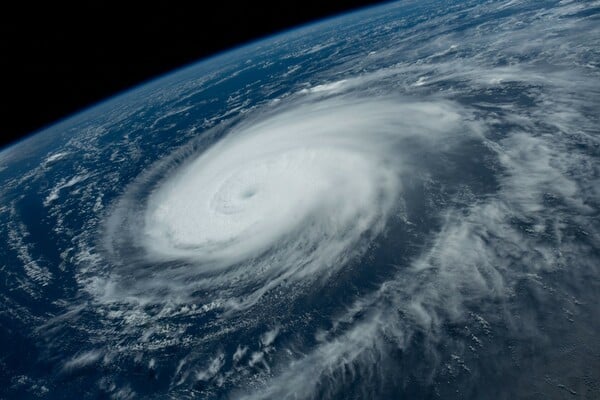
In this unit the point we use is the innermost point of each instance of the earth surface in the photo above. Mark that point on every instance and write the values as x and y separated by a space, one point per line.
401 202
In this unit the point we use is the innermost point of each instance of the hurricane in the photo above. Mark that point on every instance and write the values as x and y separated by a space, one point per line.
397 203
290 196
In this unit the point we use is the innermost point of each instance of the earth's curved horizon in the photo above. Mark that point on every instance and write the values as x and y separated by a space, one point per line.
400 202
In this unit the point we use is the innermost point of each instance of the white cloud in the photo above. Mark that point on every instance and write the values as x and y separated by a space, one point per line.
82 360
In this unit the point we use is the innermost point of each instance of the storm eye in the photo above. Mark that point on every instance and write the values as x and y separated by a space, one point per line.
248 193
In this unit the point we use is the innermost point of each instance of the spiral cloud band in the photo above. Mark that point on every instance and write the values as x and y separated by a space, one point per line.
251 190
289 196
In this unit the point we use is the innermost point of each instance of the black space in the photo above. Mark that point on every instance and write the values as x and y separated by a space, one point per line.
55 62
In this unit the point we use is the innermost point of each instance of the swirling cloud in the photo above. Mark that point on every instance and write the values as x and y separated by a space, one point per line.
290 195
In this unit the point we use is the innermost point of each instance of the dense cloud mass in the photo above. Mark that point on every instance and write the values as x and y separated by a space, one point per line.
291 196
397 203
